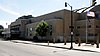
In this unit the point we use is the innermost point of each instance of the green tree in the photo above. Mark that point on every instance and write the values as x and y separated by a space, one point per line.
1 30
42 28
1 27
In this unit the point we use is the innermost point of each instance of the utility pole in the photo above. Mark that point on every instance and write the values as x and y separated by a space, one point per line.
93 4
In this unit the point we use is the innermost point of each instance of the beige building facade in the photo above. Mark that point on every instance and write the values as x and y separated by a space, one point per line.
60 22
88 28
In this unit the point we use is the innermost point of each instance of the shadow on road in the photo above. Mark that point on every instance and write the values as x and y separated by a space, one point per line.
57 47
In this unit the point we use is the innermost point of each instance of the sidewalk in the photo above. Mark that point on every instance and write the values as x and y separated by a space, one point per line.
83 47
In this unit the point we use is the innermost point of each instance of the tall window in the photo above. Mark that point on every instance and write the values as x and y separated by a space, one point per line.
27 31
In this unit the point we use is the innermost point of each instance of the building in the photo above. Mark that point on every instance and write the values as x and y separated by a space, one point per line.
24 27
89 27
17 28
58 20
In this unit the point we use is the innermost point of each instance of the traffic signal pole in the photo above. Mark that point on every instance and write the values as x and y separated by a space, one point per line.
71 47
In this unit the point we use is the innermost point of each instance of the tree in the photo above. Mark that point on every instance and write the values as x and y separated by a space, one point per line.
1 27
1 30
42 28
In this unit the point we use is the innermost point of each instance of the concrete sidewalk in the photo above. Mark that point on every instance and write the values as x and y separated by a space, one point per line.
83 47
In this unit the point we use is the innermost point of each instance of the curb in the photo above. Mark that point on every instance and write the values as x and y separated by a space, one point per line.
56 46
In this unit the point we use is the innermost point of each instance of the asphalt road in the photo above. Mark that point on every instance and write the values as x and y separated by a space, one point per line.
8 48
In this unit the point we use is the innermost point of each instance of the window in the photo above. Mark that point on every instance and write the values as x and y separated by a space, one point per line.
90 34
30 34
27 31
77 34
89 26
78 27
31 29
97 26
50 29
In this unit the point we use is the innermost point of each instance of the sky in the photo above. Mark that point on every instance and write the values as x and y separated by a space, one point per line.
10 10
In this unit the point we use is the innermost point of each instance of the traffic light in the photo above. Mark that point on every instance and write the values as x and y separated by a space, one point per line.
93 2
65 4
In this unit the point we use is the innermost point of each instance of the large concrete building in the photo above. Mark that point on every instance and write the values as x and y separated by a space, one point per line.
60 22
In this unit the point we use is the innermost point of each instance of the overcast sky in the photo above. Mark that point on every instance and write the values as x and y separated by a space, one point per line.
10 10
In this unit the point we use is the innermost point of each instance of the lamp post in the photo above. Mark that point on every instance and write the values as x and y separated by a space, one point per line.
71 25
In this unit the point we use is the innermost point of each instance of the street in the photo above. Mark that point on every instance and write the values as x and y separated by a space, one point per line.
8 48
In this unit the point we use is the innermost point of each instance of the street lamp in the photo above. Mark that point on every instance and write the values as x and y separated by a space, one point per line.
71 24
